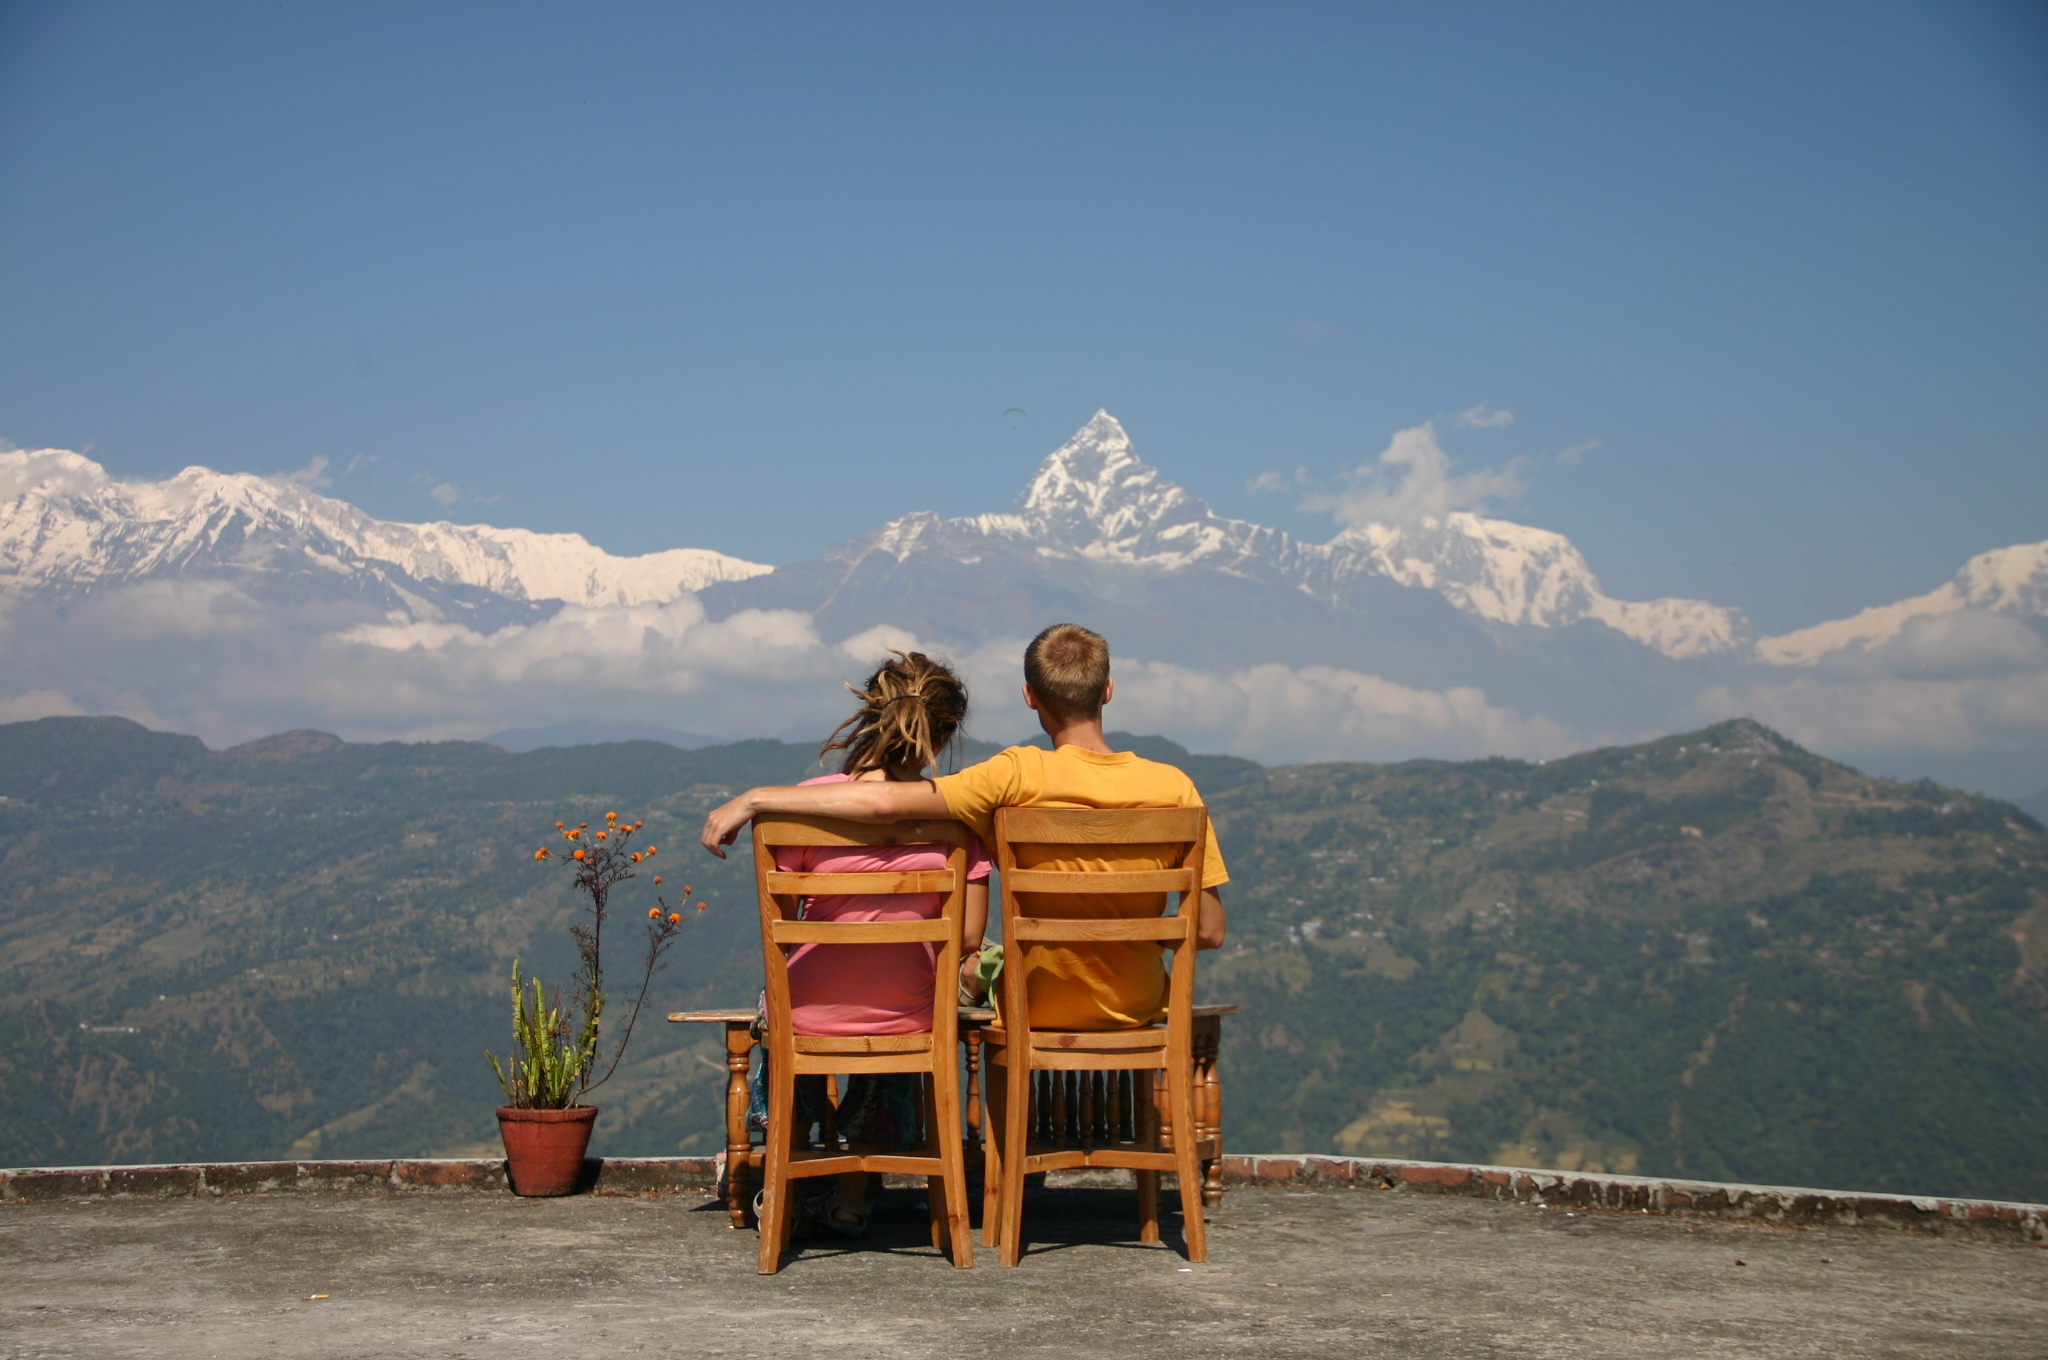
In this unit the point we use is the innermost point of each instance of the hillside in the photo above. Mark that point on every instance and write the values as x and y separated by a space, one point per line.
1714 954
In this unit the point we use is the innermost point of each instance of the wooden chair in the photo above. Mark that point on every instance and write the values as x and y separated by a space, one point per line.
1123 1128
933 1055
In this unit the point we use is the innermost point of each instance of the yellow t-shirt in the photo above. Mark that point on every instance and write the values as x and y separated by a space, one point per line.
1096 986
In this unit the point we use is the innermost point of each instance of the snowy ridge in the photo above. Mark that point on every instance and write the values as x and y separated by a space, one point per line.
1514 574
2006 580
65 525
1093 500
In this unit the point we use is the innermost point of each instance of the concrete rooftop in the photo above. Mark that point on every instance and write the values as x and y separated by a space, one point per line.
1294 1271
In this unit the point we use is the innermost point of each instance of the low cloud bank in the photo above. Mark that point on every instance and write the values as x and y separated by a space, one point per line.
207 658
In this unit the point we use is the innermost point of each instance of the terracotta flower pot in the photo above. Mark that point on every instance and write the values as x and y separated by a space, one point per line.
544 1148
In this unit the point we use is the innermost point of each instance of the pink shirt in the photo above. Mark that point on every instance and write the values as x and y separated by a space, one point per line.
867 988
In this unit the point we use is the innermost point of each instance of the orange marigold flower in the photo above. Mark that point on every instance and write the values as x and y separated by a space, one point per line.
686 890
674 917
638 825
650 849
657 882
611 816
541 853
558 826
636 856
654 913
601 835
577 855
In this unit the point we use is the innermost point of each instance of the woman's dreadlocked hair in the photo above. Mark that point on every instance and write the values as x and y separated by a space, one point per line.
910 708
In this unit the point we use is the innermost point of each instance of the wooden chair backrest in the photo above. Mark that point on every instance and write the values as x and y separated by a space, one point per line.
1181 832
781 894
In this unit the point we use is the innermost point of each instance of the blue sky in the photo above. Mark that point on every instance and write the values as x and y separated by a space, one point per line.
759 277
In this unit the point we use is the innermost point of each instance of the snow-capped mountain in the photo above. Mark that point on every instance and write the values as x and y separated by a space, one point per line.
2004 581
67 528
235 605
1094 503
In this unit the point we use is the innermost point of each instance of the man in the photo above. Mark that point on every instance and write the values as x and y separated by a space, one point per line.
1066 682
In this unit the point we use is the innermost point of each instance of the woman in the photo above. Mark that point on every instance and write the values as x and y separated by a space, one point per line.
911 708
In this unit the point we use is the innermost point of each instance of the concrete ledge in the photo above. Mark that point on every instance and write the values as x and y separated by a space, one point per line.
1645 1194
669 1175
601 1175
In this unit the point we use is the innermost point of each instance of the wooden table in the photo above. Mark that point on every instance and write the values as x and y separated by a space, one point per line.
743 1160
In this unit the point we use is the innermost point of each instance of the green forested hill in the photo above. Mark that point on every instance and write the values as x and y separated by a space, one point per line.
1715 954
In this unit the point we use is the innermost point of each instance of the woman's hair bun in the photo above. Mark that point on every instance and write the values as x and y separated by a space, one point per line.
911 707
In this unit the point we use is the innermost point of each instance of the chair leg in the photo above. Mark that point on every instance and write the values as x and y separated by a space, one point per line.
935 1202
1145 1115
1016 1149
1186 1156
996 1098
948 1193
776 1221
934 1186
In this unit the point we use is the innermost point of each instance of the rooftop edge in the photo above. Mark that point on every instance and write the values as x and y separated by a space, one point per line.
666 1175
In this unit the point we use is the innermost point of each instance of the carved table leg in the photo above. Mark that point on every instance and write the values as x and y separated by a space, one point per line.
739 1147
973 1098
1209 1104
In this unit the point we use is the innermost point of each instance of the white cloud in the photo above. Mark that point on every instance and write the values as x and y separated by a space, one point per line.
1275 480
1412 480
1278 713
38 703
206 658
1895 717
1482 417
446 492
313 476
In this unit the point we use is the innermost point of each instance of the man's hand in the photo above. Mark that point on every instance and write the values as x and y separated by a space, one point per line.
854 801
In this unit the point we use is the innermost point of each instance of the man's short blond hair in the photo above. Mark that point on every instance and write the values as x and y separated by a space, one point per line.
1067 667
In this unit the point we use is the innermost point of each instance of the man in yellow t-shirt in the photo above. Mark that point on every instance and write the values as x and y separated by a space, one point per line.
1066 681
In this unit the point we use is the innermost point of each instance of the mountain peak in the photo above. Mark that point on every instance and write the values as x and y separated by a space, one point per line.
1093 489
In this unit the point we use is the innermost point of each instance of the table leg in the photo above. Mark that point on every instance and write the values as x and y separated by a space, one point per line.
1209 1102
739 1146
973 1097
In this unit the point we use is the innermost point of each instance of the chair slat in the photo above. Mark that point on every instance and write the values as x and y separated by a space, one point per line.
822 885
862 932
1100 1041
1118 881
1089 928
1129 1060
790 829
804 1063
863 1043
1119 826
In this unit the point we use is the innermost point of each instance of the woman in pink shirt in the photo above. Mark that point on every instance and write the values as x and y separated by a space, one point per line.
911 707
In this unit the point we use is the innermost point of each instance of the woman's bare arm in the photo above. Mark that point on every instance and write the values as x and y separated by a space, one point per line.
855 801
973 926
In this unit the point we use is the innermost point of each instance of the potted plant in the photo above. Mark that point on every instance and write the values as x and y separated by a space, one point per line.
545 1121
